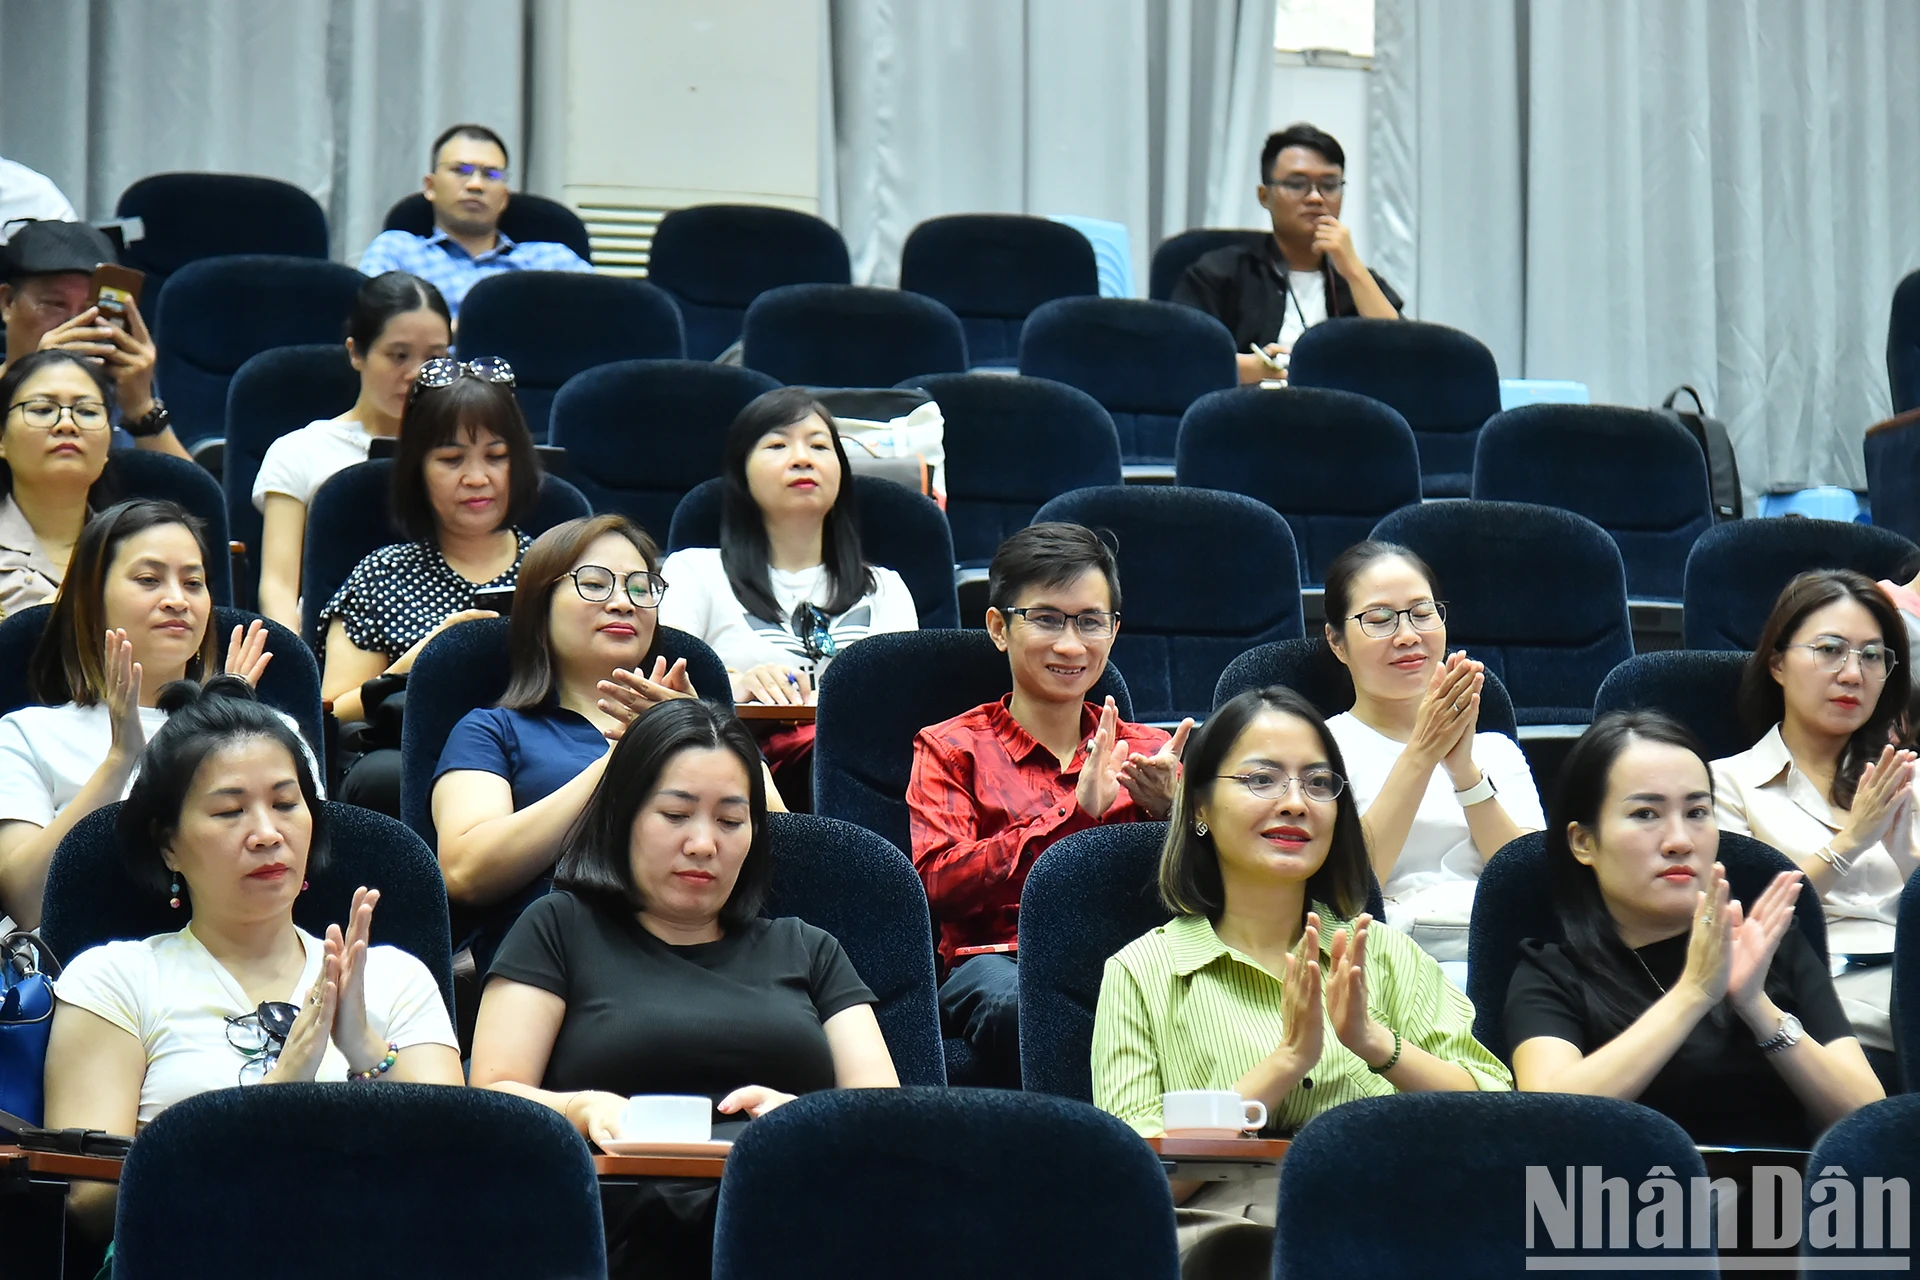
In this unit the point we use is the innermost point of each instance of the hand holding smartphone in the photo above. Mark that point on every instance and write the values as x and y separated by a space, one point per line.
115 288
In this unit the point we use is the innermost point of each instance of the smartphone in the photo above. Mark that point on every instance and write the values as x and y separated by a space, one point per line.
498 599
991 949
114 288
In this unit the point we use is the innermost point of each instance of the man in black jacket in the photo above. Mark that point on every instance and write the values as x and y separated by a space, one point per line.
1271 290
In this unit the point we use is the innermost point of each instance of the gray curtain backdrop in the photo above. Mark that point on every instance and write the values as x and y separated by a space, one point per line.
1146 112
340 97
1640 193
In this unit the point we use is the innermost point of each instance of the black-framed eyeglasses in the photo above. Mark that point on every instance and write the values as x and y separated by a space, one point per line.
1830 654
1094 624
260 1036
1381 622
492 173
596 583
45 415
1318 785
1298 187
444 371
810 624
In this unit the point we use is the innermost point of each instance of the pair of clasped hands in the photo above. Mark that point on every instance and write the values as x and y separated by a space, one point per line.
1111 767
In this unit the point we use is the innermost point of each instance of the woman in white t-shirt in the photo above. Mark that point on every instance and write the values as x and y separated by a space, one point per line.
398 323
1437 797
225 823
787 588
138 578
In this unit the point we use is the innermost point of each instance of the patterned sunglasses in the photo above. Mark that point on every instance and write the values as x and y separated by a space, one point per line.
444 371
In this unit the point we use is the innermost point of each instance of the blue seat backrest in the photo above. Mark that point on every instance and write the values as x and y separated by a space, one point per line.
1698 687
186 217
1892 451
1176 253
843 335
1903 345
715 259
993 269
1737 570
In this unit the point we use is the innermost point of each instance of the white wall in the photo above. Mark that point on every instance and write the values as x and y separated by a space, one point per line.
1330 92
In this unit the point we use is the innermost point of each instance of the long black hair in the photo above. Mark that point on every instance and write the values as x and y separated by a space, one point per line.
390 294
744 550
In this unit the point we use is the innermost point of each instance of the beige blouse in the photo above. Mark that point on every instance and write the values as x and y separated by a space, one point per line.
27 577
1762 793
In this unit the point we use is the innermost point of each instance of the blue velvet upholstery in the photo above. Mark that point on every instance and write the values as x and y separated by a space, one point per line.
190 216
291 683
1697 687
715 259
1514 902
1903 346
1738 569
1176 253
467 667
352 516
1893 470
273 393
1331 462
1204 577
1443 382
900 529
1538 595
942 1184
1145 361
91 899
881 692
1455 1170
148 473
993 269
1309 668
863 891
1636 473
1012 444
844 335
212 319
526 218
640 434
519 314
1879 1141
1906 985
423 1180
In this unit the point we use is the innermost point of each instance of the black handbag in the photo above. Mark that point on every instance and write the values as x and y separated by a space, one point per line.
1723 469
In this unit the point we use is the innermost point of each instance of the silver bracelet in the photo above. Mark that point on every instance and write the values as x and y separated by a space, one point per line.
1826 854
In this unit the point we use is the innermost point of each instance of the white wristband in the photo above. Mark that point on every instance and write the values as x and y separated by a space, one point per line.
1479 791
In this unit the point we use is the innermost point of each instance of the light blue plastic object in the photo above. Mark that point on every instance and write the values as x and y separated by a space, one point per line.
1515 392
1112 252
1827 502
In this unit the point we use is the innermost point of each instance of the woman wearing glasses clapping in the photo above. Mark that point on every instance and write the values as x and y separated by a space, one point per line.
53 447
1437 796
1825 785
225 823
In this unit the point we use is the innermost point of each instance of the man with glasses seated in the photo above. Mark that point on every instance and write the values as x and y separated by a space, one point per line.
468 192
1270 292
994 787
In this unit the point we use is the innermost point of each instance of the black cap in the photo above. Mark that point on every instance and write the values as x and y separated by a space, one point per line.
45 248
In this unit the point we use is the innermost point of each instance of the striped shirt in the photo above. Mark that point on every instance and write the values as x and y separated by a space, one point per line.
1179 1009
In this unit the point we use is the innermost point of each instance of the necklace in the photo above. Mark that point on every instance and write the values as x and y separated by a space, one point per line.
1643 968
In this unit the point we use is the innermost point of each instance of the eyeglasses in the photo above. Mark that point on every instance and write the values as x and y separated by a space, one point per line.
45 415
1298 187
1830 654
491 173
259 1036
595 584
1381 622
1094 624
810 623
1319 785
444 371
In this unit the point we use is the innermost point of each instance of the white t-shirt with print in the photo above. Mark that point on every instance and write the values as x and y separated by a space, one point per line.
700 601
298 463
172 995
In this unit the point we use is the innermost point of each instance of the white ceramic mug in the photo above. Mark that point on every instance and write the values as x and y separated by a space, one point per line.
1210 1113
664 1117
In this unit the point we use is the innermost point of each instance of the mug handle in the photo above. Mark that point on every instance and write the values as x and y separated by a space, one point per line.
1256 1115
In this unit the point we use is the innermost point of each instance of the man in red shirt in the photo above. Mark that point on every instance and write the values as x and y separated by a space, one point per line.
993 787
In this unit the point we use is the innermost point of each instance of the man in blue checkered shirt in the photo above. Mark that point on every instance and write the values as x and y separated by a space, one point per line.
468 192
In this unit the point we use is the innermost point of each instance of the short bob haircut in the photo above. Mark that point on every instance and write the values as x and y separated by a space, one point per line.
1053 554
201 721
67 664
440 416
1190 882
1763 703
744 551
596 864
1349 565
38 362
546 566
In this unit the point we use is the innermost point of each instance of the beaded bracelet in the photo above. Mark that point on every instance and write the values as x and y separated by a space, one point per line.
393 1055
1388 1065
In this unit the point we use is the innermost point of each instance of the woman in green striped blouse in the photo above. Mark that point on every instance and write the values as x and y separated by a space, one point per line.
1271 981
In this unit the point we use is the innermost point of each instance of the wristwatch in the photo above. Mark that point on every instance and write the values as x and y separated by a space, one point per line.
1785 1038
1479 791
150 423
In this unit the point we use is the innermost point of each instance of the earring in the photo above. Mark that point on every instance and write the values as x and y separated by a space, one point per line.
303 886
1200 828
174 901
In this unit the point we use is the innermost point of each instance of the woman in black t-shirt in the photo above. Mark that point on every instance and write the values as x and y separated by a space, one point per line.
1665 992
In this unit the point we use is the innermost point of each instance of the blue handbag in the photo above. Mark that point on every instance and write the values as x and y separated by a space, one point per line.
27 973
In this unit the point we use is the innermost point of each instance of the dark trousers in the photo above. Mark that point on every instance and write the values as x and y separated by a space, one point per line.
980 1003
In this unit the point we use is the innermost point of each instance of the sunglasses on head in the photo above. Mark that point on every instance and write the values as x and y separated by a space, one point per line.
444 371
